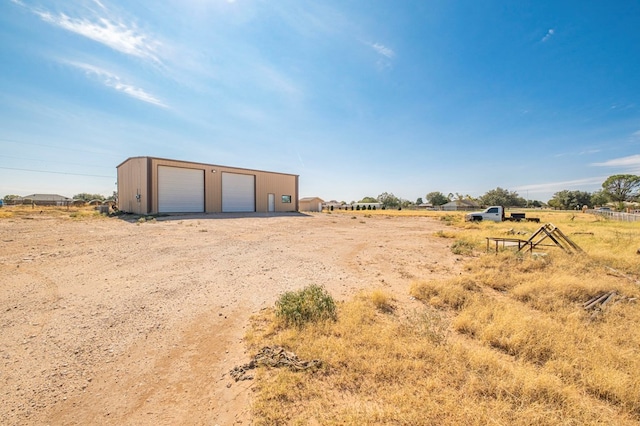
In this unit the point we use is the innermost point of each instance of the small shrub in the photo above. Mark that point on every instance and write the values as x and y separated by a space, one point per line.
462 247
448 219
444 234
382 301
311 304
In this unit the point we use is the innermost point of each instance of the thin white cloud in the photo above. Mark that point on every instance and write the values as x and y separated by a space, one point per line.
275 80
383 50
99 4
113 81
385 53
123 38
548 35
559 186
632 161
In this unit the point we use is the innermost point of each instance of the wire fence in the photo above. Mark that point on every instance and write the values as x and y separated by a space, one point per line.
621 216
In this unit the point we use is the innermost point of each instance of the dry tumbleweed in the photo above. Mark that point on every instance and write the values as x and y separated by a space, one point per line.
273 356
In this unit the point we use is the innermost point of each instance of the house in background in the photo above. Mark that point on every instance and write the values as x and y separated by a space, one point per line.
45 200
310 204
425 206
460 205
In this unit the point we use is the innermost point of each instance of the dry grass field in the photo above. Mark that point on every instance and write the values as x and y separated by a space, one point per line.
507 340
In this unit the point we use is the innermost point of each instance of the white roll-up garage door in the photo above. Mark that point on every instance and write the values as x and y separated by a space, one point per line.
238 193
180 190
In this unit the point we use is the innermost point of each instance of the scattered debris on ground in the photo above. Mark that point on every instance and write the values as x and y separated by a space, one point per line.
598 303
617 273
512 231
273 356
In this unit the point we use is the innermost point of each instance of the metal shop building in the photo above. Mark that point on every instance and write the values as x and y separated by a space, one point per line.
149 185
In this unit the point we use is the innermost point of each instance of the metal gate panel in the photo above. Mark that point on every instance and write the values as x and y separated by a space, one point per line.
180 190
238 193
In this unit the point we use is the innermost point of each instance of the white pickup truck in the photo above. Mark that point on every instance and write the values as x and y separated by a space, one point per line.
496 214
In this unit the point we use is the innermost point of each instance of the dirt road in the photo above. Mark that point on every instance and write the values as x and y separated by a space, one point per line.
107 321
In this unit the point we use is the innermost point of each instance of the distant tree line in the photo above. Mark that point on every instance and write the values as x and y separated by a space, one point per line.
616 189
83 196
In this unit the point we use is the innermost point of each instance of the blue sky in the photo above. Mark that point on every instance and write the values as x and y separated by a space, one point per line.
357 97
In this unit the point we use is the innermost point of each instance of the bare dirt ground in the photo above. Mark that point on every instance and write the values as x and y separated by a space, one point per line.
108 321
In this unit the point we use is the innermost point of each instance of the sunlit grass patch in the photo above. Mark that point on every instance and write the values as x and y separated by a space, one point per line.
85 214
445 234
462 247
48 211
388 369
382 300
453 294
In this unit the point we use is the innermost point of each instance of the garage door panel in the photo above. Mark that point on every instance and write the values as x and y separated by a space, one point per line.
180 190
238 193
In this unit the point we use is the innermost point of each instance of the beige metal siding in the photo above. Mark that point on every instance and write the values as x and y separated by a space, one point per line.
278 184
311 205
133 188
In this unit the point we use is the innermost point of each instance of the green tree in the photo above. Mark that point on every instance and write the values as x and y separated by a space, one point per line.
599 198
388 200
502 197
88 197
419 201
9 198
368 200
621 188
570 200
437 198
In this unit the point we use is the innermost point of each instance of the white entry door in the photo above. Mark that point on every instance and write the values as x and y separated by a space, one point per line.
272 202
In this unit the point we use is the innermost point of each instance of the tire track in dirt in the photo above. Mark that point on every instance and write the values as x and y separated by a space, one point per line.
180 381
